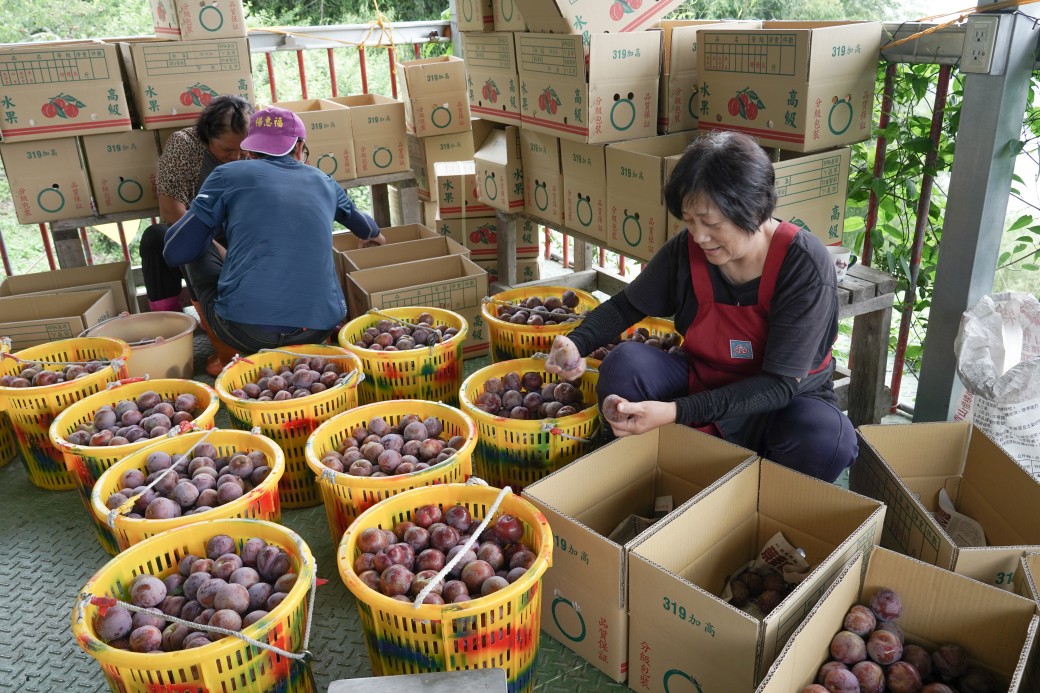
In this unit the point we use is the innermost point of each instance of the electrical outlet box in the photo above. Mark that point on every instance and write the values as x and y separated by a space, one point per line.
980 45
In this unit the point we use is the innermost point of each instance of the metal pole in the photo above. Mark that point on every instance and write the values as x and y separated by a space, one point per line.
270 77
47 246
363 68
303 74
86 245
4 257
879 161
332 72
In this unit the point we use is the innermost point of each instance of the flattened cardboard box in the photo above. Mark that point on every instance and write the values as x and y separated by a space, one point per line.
453 283
997 630
435 96
492 77
585 188
681 629
610 98
907 466
115 276
377 124
507 16
121 169
40 318
543 177
330 138
182 20
585 501
591 17
802 86
474 15
396 253
61 91
172 81
480 235
456 184
637 218
47 180
499 170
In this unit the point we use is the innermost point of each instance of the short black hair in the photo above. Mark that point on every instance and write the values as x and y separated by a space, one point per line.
731 170
223 114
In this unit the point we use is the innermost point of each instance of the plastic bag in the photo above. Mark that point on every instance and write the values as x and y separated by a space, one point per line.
997 346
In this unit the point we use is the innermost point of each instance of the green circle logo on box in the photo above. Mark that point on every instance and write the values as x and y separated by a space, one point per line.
507 6
683 675
467 10
586 201
581 621
623 119
54 202
322 158
215 21
840 116
541 196
634 218
492 191
445 117
387 157
129 190
690 104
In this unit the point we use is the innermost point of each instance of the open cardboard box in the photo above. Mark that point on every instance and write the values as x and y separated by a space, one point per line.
330 136
435 95
543 177
456 186
499 170
493 78
117 276
33 319
377 124
586 500
396 253
121 168
192 21
907 466
681 629
47 180
452 282
585 188
996 629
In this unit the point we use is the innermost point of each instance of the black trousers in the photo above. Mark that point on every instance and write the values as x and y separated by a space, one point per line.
160 280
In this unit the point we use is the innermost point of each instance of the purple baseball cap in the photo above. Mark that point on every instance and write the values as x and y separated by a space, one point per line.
274 131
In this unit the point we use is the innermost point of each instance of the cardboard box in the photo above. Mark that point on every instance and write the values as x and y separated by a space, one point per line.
427 209
59 90
802 86
474 15
424 152
435 95
378 127
907 466
677 99
543 176
492 76
526 270
586 500
456 186
181 20
507 17
681 629
478 341
997 630
637 218
396 253
330 137
47 180
499 170
453 282
33 319
171 82
345 241
116 276
592 17
585 188
121 170
611 97
1027 579
480 235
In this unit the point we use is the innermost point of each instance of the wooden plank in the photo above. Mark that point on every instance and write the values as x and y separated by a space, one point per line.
506 248
582 255
471 681
69 248
868 358
381 205
868 306
410 208
886 283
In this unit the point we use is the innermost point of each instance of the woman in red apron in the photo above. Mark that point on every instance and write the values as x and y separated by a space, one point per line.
756 302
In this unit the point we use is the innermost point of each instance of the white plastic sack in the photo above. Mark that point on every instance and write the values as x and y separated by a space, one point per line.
997 346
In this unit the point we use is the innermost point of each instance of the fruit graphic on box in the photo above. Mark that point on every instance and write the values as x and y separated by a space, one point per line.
746 104
62 106
197 94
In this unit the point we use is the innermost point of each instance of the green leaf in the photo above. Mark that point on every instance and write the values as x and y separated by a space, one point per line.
1023 220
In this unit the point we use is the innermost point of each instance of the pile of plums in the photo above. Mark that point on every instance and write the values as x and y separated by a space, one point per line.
870 654
764 588
39 374
380 449
550 310
670 342
307 375
401 562
130 420
390 335
195 486
529 397
229 588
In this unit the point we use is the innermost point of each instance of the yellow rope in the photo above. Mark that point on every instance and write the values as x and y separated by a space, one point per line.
380 24
962 15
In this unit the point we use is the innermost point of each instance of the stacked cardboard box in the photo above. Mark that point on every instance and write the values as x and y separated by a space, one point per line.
378 128
330 138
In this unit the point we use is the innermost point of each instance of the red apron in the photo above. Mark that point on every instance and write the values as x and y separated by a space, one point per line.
726 343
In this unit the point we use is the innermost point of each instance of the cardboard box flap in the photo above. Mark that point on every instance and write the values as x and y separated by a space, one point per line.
939 449
680 42
845 40
42 306
396 253
624 56
1003 497
495 149
415 273
427 76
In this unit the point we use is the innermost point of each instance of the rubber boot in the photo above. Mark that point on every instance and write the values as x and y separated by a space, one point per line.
173 304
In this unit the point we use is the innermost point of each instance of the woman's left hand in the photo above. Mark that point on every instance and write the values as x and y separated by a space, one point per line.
641 417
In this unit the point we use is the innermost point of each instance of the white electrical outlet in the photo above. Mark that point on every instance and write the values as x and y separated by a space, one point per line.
980 40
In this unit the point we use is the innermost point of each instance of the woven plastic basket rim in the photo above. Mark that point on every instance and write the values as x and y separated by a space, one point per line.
371 317
249 404
169 540
100 510
62 420
345 480
417 497
662 325
510 295
29 354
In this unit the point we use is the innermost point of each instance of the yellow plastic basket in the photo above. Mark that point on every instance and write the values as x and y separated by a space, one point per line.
261 503
500 630
88 462
517 452
229 664
31 410
8 450
657 327
509 341
433 373
347 496
290 422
